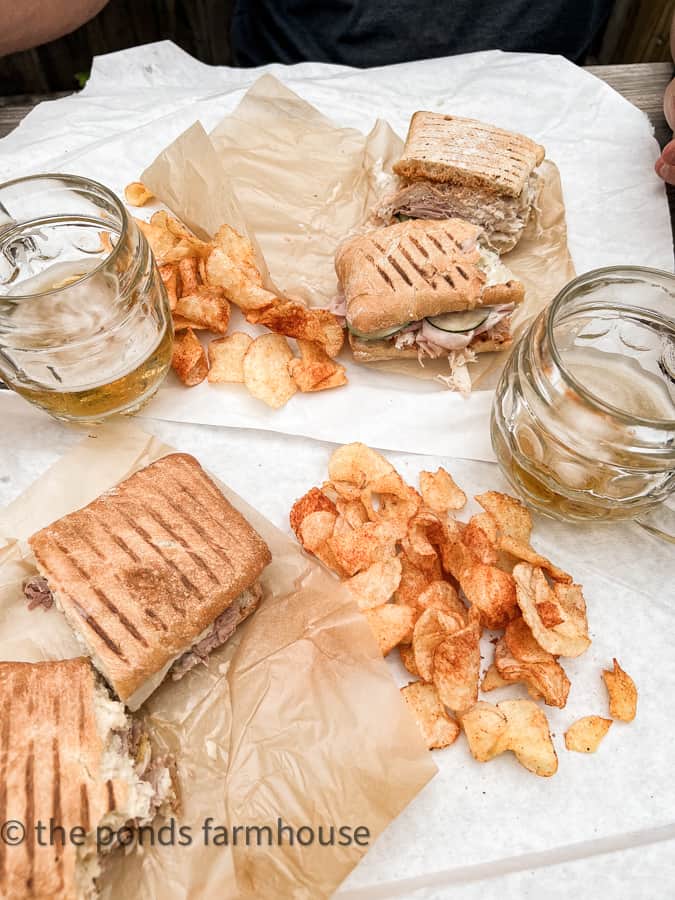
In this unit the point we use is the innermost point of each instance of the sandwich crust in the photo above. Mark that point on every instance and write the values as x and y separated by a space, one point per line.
415 269
463 151
50 755
144 569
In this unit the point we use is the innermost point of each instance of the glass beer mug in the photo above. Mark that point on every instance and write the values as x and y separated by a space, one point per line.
85 325
583 422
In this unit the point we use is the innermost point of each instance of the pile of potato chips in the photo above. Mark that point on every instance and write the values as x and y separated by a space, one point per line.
202 279
430 584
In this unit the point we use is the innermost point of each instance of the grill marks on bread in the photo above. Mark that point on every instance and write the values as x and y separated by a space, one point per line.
147 567
453 149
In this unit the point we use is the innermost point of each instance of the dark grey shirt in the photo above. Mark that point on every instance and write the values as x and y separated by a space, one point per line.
379 32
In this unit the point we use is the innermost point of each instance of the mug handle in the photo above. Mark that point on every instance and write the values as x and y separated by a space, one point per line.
660 521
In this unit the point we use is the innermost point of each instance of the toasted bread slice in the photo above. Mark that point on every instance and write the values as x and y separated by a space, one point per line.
143 571
445 148
405 272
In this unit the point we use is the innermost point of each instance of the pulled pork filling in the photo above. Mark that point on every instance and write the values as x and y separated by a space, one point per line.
502 217
37 592
155 771
222 629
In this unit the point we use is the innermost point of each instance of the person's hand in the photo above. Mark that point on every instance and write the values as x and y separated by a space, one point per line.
665 164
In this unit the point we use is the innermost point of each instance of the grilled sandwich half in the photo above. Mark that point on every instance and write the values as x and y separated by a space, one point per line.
423 289
153 575
453 167
70 758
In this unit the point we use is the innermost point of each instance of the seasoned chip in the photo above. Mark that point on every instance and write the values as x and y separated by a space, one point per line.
524 552
493 593
353 511
357 549
226 358
313 501
160 239
207 308
316 371
390 624
442 596
417 545
180 323
528 736
557 618
485 727
266 370
231 266
437 727
492 680
137 194
408 658
358 465
622 692
430 629
512 516
413 582
375 585
456 667
188 271
455 555
169 275
585 735
188 359
316 529
439 491
293 319
480 536
518 657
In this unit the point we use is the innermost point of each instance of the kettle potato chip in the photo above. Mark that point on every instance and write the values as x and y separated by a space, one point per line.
585 735
485 727
376 585
188 359
492 591
430 629
622 693
439 491
557 617
137 194
390 624
226 358
438 728
266 370
518 657
456 667
512 517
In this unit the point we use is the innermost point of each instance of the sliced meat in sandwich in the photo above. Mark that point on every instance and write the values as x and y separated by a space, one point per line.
70 758
425 289
153 575
461 168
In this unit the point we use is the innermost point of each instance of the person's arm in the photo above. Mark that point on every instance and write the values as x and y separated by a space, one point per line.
28 23
665 164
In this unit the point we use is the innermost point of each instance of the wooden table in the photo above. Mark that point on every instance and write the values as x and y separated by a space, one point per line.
643 84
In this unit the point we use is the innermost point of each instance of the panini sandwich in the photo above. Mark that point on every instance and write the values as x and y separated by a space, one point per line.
425 289
153 575
70 758
456 167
